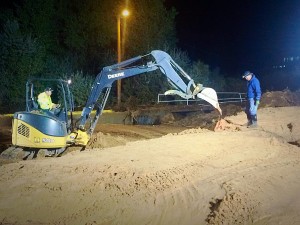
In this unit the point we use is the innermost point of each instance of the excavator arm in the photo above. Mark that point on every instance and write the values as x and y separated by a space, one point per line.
141 64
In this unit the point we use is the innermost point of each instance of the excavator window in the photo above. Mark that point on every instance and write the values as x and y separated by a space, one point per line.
33 105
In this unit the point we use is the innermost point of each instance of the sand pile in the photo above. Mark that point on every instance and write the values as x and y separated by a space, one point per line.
196 176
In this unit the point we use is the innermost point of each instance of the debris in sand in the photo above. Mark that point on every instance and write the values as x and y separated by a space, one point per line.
223 124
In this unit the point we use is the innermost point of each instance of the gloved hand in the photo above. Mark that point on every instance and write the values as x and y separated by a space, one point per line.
55 106
257 102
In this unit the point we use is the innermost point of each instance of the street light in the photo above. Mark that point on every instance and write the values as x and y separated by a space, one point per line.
124 13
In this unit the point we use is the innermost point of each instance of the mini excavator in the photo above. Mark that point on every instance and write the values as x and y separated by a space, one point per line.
33 131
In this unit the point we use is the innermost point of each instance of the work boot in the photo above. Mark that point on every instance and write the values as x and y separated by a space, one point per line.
249 122
253 122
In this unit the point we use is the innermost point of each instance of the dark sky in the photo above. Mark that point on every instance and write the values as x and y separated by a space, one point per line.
238 35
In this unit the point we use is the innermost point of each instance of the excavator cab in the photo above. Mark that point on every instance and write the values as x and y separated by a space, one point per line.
33 129
61 95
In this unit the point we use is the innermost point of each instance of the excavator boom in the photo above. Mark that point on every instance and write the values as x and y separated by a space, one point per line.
142 64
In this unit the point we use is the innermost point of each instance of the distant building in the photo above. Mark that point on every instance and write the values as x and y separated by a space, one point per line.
288 63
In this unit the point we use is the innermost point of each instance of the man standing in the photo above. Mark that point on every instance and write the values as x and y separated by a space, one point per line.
46 104
253 98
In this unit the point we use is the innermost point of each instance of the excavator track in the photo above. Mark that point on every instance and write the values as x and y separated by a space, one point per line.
16 153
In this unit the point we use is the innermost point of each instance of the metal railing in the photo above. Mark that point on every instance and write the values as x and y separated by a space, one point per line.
223 97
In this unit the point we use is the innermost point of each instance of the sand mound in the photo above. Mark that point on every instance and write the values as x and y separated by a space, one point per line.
100 140
182 176
280 99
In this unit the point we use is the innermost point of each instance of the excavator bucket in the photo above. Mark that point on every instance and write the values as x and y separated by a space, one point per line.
210 95
207 94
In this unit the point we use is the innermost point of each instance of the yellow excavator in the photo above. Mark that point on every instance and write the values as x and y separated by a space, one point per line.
33 130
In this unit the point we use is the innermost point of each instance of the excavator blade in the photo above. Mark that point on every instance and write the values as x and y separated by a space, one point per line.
210 95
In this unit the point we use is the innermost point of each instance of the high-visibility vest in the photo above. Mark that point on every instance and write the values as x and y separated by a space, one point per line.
45 101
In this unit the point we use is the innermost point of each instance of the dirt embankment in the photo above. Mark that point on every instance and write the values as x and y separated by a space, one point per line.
197 176
5 132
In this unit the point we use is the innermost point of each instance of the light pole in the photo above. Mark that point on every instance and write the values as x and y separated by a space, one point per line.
125 13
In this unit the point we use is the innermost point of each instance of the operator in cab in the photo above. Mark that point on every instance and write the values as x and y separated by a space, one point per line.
46 104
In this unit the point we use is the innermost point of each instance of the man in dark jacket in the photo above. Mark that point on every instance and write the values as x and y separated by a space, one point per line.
253 98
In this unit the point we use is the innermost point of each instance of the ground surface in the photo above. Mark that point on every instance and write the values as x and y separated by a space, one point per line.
179 172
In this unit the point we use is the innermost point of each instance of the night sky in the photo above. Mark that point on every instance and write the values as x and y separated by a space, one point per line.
238 35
